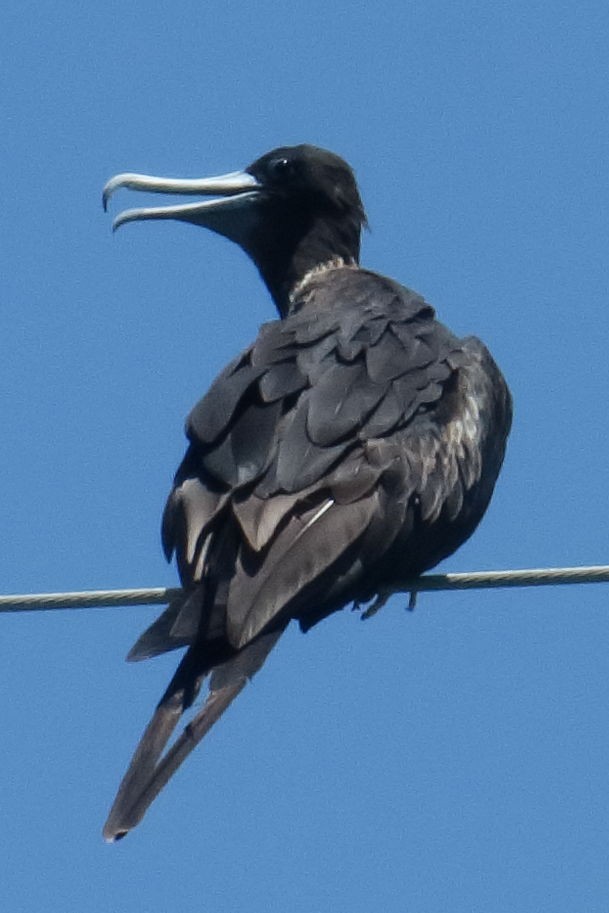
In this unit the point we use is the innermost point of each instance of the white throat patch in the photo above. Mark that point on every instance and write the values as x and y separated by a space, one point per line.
335 263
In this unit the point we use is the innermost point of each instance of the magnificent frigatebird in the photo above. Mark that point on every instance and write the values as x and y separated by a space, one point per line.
354 444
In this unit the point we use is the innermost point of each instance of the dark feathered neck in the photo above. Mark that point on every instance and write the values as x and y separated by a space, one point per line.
285 259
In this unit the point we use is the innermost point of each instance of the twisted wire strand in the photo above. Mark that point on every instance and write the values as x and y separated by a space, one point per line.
473 580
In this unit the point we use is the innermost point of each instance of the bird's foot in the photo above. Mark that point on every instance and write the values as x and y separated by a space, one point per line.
380 601
376 606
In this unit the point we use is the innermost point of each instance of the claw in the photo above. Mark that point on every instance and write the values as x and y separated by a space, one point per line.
376 606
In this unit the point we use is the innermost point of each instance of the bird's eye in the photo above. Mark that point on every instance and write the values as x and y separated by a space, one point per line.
281 168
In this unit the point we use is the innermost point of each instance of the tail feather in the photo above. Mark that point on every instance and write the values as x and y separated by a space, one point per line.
158 637
149 769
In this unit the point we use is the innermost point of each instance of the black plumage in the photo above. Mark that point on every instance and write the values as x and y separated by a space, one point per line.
356 443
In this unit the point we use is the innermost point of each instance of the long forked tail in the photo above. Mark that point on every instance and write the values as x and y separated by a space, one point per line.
150 769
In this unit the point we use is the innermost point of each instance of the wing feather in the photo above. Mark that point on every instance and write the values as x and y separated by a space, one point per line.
341 401
209 418
299 555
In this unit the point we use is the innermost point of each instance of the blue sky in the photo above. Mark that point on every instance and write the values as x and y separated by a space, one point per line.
455 758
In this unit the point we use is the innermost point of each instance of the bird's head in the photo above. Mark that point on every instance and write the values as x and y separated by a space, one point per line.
292 210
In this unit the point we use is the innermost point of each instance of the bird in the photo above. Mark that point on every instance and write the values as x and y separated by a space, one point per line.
355 444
